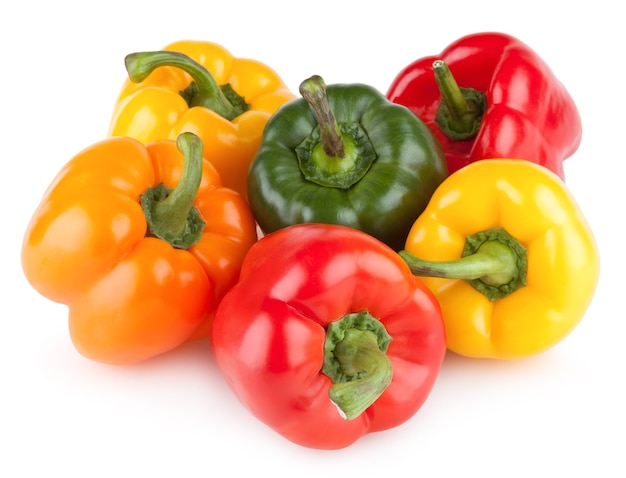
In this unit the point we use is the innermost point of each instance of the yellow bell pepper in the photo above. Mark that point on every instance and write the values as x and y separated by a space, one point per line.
509 255
199 87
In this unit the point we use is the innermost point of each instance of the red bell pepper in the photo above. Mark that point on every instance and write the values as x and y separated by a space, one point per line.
328 336
488 95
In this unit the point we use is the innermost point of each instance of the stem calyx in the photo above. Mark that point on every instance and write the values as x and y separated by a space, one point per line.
492 261
203 90
333 154
170 213
355 359
461 110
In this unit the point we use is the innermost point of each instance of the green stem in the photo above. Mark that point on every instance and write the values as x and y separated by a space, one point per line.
356 361
333 154
492 258
462 109
359 351
170 213
313 90
204 90
493 262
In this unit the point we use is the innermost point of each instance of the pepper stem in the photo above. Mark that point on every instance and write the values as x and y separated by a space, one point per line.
461 110
335 155
204 90
313 90
356 361
170 213
493 262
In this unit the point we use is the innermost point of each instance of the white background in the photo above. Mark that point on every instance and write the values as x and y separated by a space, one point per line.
557 414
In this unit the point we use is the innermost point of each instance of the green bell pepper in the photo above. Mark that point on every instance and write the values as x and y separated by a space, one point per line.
344 154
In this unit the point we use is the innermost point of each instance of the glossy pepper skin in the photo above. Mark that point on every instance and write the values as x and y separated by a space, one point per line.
132 295
528 113
233 99
344 154
307 296
501 300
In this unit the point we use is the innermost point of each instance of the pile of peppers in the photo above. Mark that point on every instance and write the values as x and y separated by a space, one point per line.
330 248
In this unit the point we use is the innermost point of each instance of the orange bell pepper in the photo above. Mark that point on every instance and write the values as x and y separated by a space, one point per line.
200 87
141 242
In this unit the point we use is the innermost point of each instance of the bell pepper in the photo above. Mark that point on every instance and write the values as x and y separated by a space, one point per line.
328 336
140 242
344 154
488 95
508 253
200 87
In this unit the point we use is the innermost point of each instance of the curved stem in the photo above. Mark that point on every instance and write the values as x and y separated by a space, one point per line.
359 352
313 90
461 111
170 214
494 263
493 259
206 92
355 359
